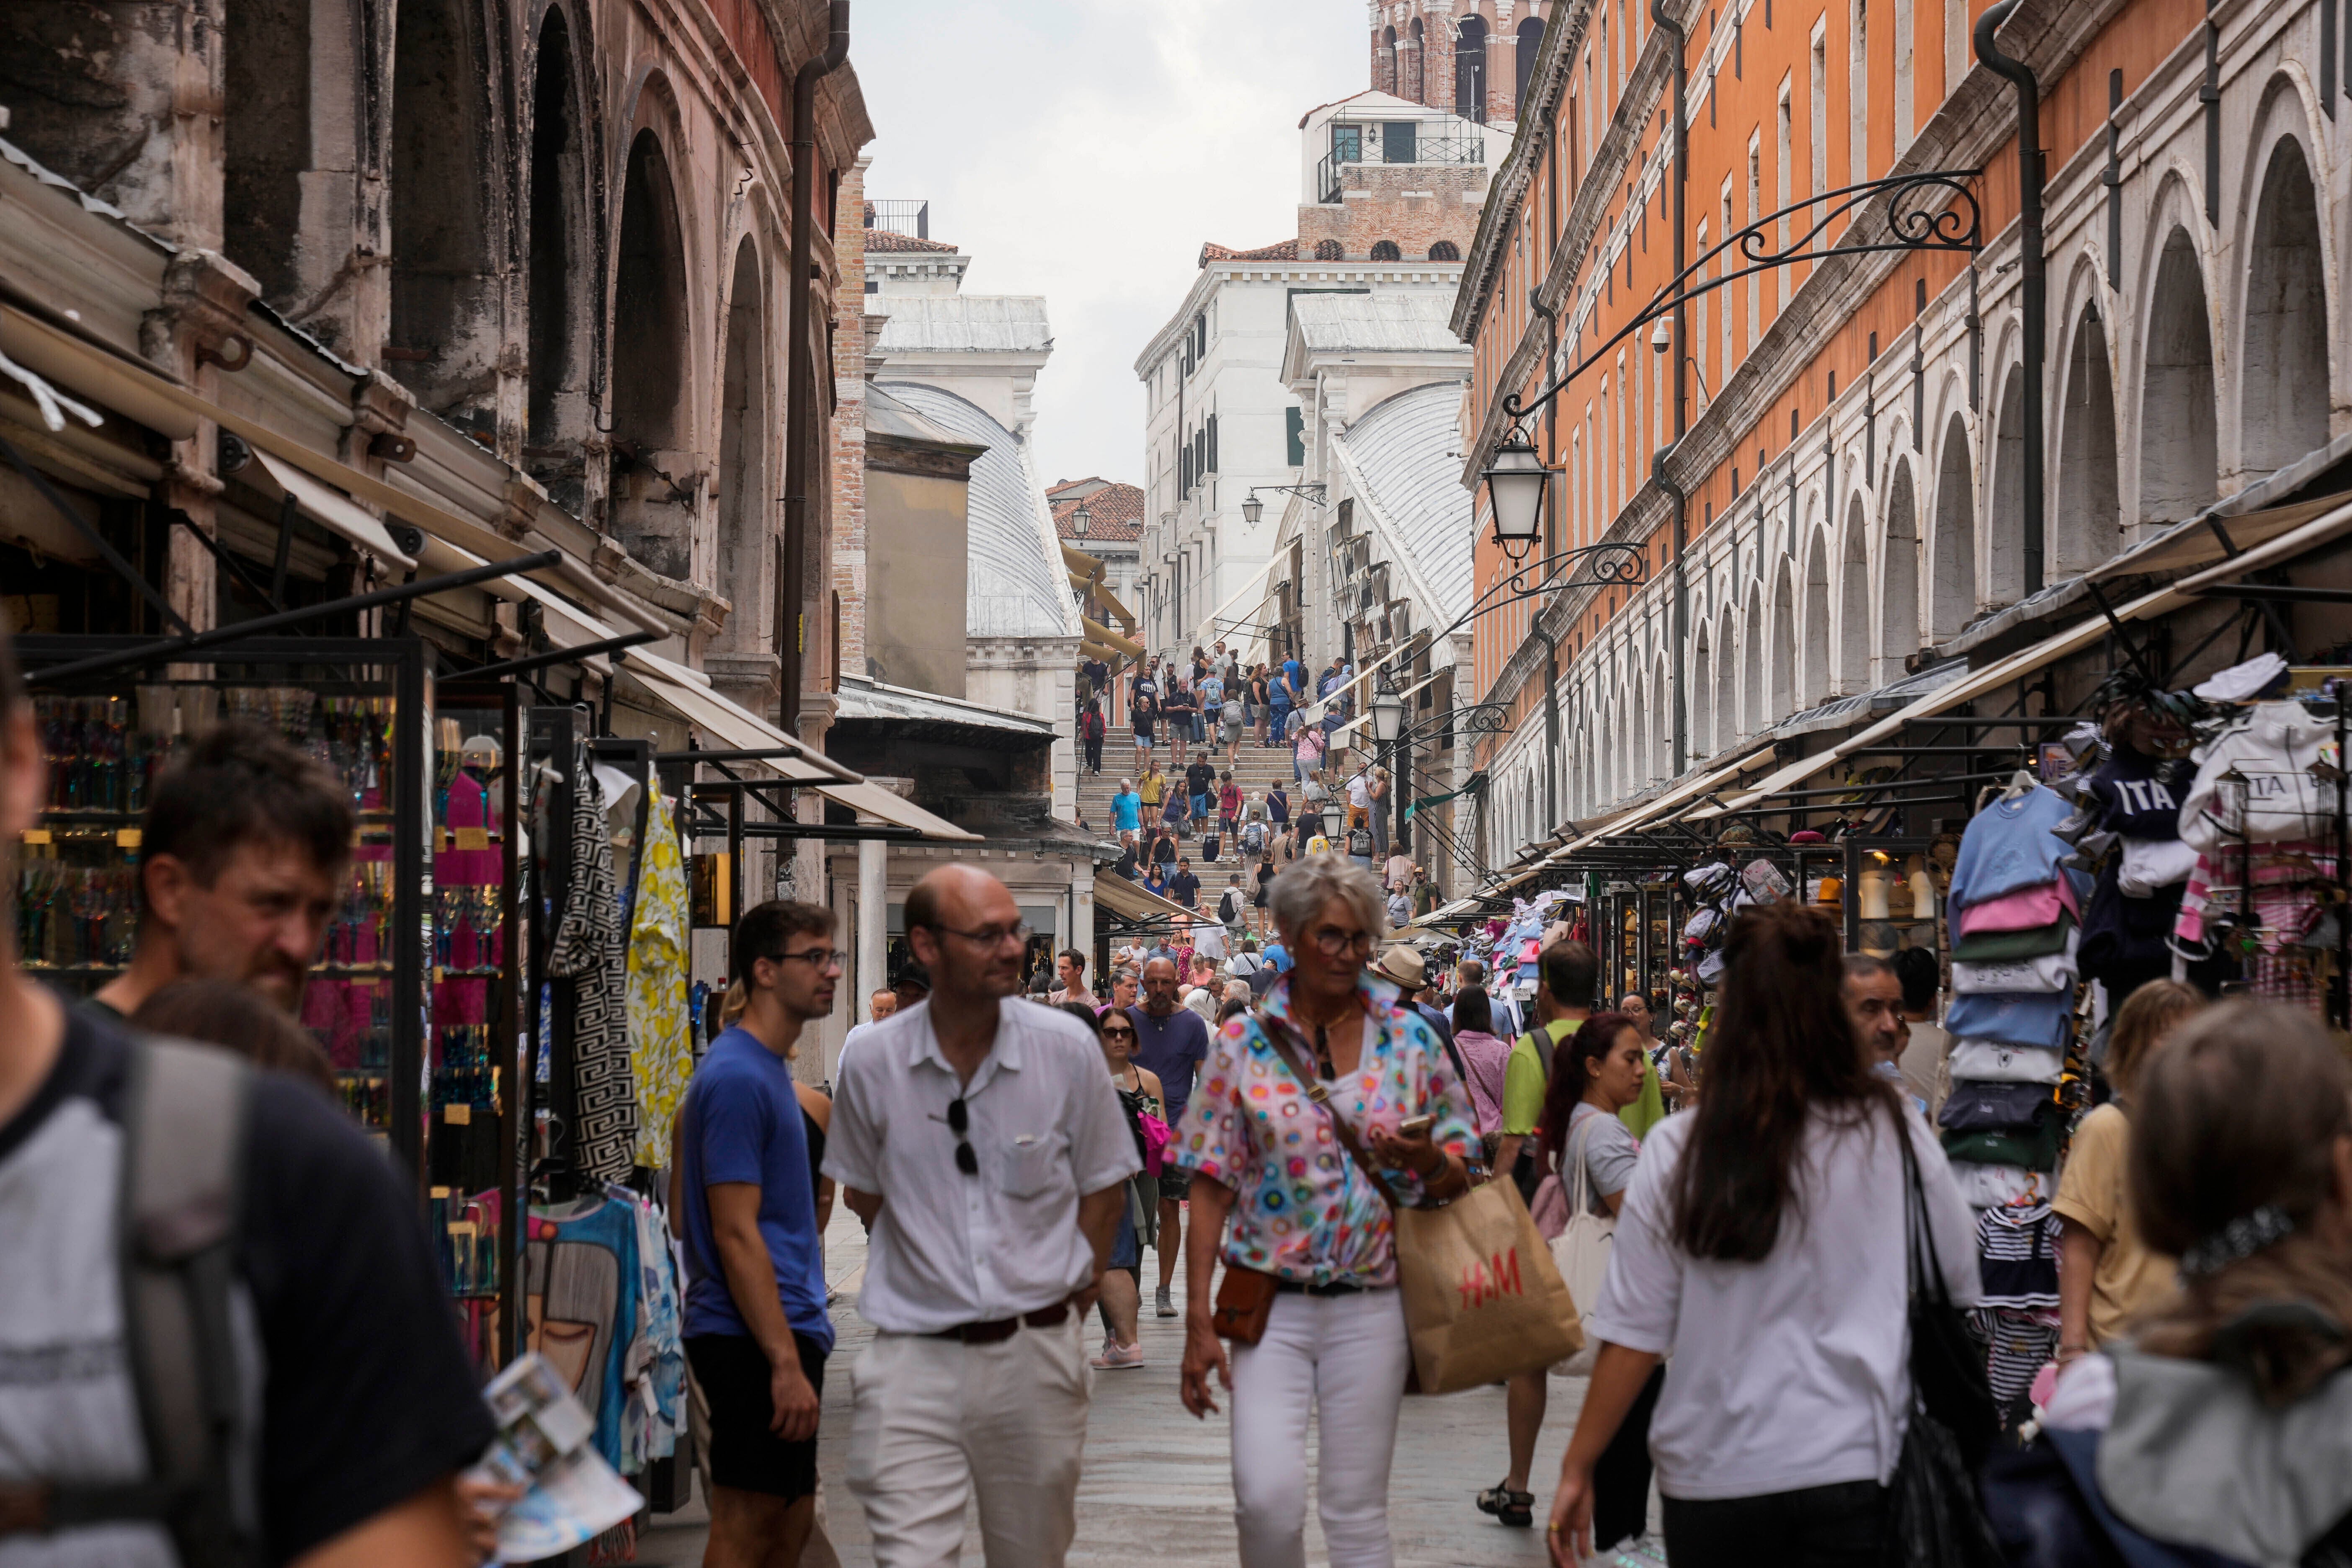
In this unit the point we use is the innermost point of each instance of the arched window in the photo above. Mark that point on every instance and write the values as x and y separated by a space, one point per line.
1955 592
1445 250
2083 531
1384 63
1328 250
1470 69
1420 93
743 555
1898 605
2177 468
1386 250
1531 44
2283 413
557 415
650 517
445 288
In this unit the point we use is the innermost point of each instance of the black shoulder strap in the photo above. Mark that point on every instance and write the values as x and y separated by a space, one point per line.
1539 1041
185 1127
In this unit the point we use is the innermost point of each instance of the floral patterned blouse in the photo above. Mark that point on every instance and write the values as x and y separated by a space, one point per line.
1304 1210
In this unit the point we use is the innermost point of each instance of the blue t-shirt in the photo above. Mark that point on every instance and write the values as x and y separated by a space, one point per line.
1294 677
2008 845
742 1122
1172 1048
1127 811
2013 1017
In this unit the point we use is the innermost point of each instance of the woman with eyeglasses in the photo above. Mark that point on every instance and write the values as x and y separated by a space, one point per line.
1268 1154
1138 1095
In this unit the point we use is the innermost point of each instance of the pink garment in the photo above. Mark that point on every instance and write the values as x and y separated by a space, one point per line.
1484 1059
2028 909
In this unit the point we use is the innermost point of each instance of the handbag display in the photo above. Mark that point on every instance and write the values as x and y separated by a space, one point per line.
1580 1250
1937 1506
1483 1299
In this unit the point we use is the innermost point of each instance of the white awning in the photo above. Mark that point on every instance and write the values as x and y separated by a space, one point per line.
1133 901
328 507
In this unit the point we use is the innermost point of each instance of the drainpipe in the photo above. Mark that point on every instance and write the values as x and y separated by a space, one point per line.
2029 264
799 391
1659 14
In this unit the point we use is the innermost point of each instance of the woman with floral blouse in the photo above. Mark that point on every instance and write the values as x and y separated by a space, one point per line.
1263 1153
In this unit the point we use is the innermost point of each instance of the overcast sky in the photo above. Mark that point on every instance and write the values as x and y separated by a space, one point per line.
1083 150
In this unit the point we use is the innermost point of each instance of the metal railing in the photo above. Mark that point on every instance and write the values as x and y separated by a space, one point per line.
1366 148
912 219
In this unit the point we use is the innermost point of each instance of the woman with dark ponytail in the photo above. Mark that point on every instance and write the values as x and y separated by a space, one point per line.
1761 1254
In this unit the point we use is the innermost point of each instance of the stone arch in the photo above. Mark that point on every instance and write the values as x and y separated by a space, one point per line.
559 401
2179 461
2005 519
1329 250
1470 69
1814 676
651 425
266 120
1854 603
2282 396
446 317
1420 93
1783 698
1726 681
1529 44
1898 576
1384 64
1701 693
1952 601
742 487
2083 528
1754 708
1386 250
1445 250
1662 724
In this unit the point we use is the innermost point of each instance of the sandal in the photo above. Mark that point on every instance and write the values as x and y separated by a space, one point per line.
1514 1508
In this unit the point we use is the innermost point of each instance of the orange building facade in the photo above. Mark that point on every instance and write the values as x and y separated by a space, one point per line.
1850 473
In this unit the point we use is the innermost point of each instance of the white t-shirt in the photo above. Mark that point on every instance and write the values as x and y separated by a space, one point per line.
1792 1372
1359 791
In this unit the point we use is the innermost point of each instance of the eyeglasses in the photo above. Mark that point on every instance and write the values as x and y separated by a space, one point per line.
819 958
1118 1034
991 936
1331 942
960 1123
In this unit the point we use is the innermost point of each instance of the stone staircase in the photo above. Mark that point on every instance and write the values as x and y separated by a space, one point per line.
1256 769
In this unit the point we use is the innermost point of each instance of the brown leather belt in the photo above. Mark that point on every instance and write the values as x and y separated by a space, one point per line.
1000 1328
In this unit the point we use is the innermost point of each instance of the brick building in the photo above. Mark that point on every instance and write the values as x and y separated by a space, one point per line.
1470 60
1842 443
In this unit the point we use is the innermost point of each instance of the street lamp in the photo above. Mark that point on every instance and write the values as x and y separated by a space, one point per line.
1081 520
1516 482
1252 508
1388 717
1335 820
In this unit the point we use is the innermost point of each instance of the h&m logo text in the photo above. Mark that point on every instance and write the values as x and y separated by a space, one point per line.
1485 1281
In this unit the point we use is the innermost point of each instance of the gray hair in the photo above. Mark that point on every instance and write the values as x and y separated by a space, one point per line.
1869 967
1301 892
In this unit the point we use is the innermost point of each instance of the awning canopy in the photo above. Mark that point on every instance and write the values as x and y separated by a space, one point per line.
2196 543
329 508
2331 521
1134 903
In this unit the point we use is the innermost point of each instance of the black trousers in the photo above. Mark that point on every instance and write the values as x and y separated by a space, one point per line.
1094 756
1841 1526
1620 1476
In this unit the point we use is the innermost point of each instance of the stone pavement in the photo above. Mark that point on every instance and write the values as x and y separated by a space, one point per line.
1156 1486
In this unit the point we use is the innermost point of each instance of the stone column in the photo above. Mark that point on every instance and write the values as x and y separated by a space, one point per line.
873 922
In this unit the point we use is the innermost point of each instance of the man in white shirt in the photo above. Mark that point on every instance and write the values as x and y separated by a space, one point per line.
980 1141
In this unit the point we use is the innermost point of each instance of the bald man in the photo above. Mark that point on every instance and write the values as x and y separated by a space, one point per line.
980 1140
1170 1041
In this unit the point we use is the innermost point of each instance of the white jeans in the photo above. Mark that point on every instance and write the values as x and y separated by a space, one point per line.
934 1422
1343 1358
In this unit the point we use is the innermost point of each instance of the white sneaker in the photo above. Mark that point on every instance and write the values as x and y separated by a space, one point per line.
1163 1302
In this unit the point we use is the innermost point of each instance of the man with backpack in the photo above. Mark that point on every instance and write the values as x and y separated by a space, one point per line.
1233 905
143 1427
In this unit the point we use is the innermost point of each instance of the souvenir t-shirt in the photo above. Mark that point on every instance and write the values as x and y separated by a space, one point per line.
365 1394
743 1123
2008 845
1990 1061
2016 1018
2129 1278
2141 794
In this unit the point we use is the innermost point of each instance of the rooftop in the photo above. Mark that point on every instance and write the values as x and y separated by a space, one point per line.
1114 515
967 323
890 239
1280 251
1407 323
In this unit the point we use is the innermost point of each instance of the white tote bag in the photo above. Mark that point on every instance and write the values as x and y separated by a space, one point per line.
1581 1252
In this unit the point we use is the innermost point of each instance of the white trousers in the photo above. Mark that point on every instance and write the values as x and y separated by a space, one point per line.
934 1422
1343 1358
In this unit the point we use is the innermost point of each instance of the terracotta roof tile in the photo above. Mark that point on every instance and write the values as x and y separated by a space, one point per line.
1280 251
1114 514
891 239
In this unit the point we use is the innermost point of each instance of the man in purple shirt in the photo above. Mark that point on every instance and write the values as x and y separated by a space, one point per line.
1172 1042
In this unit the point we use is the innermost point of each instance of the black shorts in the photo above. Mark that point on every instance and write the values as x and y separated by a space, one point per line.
745 1453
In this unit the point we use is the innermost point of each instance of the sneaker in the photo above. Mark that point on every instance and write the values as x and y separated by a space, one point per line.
1163 1302
1118 1358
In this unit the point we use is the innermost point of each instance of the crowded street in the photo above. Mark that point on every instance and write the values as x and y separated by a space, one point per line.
1375 784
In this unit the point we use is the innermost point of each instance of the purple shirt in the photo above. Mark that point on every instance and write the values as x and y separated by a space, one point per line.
1172 1050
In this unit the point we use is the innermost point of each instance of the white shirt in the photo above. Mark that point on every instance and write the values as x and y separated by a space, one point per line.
1792 1372
1209 940
1359 791
1044 1122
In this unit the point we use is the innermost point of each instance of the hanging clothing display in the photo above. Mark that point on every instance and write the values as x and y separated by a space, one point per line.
661 1020
588 951
602 1297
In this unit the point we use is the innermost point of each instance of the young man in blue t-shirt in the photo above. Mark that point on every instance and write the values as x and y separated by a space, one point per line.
755 1328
